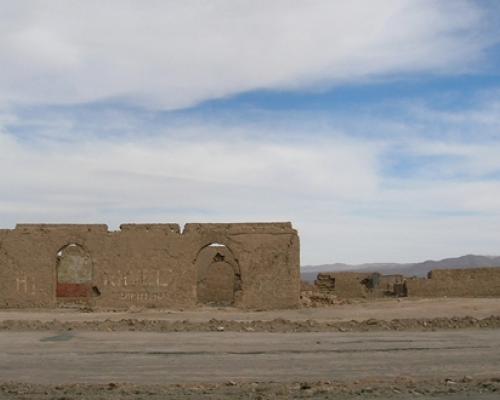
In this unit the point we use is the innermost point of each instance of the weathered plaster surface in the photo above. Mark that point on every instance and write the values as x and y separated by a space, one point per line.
151 265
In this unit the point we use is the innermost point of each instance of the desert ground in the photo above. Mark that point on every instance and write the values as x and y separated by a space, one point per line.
398 349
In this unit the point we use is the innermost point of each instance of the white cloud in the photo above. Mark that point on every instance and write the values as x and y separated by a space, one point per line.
171 54
332 189
172 168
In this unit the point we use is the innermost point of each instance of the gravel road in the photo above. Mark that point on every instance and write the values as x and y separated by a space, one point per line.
197 357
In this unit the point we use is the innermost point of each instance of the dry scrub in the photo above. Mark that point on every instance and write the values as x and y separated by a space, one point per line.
275 325
401 388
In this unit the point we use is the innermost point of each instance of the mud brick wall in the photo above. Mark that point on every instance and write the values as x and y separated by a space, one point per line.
472 282
349 285
325 282
387 282
343 284
150 265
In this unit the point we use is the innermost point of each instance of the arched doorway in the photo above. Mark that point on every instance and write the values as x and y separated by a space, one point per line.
218 276
74 272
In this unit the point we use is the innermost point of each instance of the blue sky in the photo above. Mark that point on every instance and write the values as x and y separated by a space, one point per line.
373 126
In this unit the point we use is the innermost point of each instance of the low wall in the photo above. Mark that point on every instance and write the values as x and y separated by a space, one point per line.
349 284
150 265
471 282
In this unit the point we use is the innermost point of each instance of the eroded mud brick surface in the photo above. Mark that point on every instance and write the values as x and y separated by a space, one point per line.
248 265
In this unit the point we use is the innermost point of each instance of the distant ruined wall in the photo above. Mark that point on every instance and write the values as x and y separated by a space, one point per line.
349 284
343 284
472 282
150 265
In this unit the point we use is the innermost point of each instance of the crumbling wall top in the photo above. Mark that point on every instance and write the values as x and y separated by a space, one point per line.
224 228
170 228
79 227
242 228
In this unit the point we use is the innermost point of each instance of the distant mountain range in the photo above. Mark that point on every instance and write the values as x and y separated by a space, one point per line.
309 272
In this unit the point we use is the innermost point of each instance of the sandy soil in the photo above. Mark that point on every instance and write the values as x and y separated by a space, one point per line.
399 389
278 325
392 314
447 349
384 309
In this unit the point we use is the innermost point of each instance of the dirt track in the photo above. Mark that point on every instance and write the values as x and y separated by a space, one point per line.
194 357
383 349
228 364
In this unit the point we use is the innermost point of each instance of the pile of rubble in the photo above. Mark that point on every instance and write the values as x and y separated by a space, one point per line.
313 296
325 283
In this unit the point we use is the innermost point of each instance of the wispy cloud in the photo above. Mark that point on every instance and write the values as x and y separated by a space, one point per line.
108 114
168 54
336 187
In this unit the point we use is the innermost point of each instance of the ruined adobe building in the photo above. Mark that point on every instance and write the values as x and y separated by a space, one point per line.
470 282
252 266
359 284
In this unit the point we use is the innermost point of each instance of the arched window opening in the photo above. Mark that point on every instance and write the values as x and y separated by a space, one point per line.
218 276
74 272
